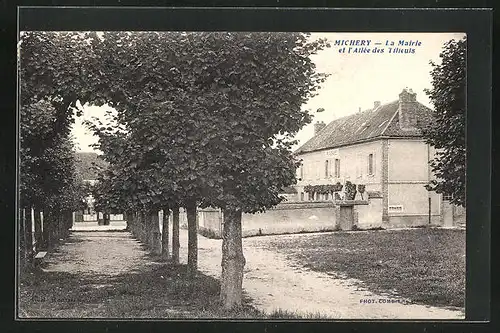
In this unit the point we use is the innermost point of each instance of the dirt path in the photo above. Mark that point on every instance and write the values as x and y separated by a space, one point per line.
271 280
98 254
274 282
111 275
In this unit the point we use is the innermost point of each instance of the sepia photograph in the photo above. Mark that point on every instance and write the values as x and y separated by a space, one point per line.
178 175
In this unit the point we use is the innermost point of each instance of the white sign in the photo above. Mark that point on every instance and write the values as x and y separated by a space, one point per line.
333 152
396 208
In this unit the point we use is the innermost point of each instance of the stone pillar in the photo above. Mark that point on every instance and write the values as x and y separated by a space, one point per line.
337 217
346 217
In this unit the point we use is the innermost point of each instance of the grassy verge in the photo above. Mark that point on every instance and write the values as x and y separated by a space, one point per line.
426 266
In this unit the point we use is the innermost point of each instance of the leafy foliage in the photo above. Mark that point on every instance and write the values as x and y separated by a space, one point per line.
324 189
361 189
447 130
213 126
202 118
350 190
52 80
47 162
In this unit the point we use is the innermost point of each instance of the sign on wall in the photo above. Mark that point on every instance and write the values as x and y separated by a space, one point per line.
332 152
396 209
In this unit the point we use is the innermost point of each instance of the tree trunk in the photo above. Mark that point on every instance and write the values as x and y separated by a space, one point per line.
46 230
175 235
149 230
164 234
60 225
22 237
65 223
49 221
233 260
143 227
69 225
135 224
38 229
155 240
126 217
131 223
28 229
99 221
192 239
57 226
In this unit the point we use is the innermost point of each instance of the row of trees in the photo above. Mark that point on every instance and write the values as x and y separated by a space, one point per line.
50 188
203 119
446 131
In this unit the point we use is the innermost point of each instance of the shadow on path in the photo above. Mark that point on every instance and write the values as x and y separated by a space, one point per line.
110 275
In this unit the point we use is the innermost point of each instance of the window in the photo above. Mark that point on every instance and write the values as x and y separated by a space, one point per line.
326 169
301 171
326 196
337 168
447 197
301 196
370 164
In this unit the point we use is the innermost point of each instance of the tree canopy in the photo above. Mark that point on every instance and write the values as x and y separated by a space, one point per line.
216 122
447 130
202 118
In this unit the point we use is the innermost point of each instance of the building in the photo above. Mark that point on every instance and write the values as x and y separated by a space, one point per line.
383 149
88 165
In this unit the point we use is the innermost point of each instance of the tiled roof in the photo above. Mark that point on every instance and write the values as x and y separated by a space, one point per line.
87 165
365 125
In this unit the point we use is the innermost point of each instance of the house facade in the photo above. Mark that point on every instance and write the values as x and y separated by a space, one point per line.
383 149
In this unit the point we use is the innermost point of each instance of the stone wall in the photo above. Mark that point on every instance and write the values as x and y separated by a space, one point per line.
412 221
291 218
370 215
210 219
287 217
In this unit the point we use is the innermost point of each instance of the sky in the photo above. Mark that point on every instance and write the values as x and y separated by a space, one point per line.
356 79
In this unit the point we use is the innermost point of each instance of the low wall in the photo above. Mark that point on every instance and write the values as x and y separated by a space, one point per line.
459 216
370 215
210 219
290 217
396 221
287 217
311 216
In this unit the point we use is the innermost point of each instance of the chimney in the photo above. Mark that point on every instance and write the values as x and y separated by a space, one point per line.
318 127
376 104
406 111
